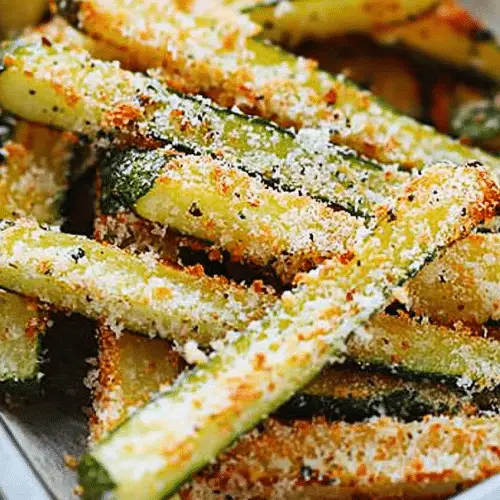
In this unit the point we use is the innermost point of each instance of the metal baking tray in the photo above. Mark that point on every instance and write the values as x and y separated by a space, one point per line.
36 435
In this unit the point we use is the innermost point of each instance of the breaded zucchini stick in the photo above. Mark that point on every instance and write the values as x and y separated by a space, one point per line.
84 276
380 459
295 20
442 30
208 199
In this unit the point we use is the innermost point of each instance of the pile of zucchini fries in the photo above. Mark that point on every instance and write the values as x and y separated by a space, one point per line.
295 286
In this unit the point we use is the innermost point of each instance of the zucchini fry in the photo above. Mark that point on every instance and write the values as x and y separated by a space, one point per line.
441 30
70 90
295 20
378 460
262 79
81 275
450 35
33 178
463 285
182 429
209 200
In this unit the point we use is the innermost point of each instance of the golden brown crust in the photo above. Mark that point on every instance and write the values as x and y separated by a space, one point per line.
108 403
380 459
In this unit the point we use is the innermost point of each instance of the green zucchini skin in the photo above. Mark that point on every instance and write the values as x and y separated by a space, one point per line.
348 394
97 477
7 124
479 121
126 176
406 404
28 386
306 162
276 356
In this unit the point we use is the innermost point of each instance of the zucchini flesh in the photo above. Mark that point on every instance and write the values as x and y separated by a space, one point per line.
463 285
84 276
262 79
182 429
435 458
98 99
209 200
295 20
